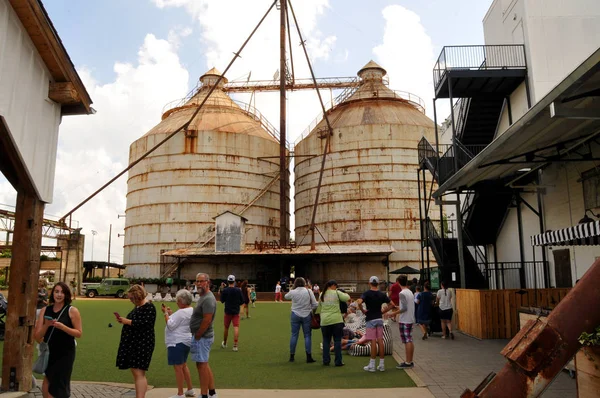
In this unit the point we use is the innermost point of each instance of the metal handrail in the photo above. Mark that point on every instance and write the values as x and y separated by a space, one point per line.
248 109
478 57
413 99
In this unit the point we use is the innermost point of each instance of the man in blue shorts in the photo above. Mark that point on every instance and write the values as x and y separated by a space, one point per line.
374 299
201 326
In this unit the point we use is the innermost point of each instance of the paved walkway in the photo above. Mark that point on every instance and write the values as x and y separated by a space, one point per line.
448 367
443 368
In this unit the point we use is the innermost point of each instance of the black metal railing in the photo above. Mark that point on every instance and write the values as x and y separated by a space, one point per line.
507 275
460 111
478 57
447 166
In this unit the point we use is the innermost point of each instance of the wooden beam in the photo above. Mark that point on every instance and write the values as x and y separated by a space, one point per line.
11 164
45 38
63 93
17 358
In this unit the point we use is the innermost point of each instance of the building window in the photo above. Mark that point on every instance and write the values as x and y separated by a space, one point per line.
591 184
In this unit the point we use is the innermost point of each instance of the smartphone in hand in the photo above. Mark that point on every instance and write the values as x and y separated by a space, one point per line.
48 318
117 315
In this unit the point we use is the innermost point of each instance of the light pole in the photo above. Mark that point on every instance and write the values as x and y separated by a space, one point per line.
108 264
94 233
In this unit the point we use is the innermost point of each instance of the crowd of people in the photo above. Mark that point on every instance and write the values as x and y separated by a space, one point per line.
407 303
190 329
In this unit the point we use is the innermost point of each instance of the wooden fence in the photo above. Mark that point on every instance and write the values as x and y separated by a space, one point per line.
493 314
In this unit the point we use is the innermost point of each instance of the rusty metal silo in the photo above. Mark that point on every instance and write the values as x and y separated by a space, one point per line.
226 160
369 193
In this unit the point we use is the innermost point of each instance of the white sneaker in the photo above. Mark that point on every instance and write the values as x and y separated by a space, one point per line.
223 345
369 368
190 393
381 368
235 348
213 396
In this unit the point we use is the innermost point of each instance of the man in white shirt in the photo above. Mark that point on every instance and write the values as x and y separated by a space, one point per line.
406 321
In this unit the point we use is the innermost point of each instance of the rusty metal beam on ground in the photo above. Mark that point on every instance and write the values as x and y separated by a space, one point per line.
541 350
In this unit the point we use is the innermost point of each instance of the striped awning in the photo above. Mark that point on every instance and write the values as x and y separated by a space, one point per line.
587 234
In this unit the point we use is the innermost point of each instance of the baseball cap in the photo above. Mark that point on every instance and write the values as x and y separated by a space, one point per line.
373 279
231 278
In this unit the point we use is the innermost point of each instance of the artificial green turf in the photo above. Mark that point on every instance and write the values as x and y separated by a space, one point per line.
261 363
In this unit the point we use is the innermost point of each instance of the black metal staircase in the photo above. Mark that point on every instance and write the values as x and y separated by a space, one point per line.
445 251
486 213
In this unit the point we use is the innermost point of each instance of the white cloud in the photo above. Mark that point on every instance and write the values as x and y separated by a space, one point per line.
223 32
406 52
93 149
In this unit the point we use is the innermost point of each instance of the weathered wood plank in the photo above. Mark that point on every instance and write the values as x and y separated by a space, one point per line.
22 293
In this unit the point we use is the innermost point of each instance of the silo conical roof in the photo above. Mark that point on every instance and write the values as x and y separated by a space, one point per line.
219 112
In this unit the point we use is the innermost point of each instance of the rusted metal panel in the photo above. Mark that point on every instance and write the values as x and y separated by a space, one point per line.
369 191
174 194
538 353
532 346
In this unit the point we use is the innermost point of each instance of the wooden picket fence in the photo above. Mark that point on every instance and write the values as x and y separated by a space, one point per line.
493 314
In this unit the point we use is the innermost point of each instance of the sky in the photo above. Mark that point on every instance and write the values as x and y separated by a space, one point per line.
135 56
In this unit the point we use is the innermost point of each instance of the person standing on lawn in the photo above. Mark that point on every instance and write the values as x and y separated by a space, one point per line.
178 339
332 323
201 326
246 297
406 321
137 338
303 302
232 297
374 299
278 292
253 297
60 332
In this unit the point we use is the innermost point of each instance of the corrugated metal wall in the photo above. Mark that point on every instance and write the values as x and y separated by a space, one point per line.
369 192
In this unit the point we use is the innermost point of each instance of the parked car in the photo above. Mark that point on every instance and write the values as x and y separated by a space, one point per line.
108 287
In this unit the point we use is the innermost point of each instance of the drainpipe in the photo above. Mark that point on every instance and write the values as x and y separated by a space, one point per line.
521 249
461 254
542 230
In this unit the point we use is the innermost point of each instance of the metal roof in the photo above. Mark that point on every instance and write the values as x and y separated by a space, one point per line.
297 251
566 118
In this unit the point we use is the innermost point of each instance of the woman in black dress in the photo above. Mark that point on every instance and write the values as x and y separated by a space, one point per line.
137 339
60 333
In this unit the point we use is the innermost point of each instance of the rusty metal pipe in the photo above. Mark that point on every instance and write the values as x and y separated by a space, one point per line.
329 134
283 170
536 357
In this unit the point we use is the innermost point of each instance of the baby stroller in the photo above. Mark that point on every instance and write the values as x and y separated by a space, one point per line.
3 308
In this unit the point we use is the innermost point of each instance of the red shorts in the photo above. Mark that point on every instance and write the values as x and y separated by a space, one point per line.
278 297
232 318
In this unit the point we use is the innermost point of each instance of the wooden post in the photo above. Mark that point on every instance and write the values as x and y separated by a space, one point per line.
22 293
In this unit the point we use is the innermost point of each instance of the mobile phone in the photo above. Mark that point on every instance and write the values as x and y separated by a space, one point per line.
48 318
117 315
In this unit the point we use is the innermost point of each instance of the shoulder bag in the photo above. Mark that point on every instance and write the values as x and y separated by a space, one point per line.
41 363
315 320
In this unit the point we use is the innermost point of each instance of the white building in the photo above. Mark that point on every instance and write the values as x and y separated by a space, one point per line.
541 152
38 85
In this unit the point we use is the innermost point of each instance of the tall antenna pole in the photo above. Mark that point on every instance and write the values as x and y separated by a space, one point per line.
283 172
